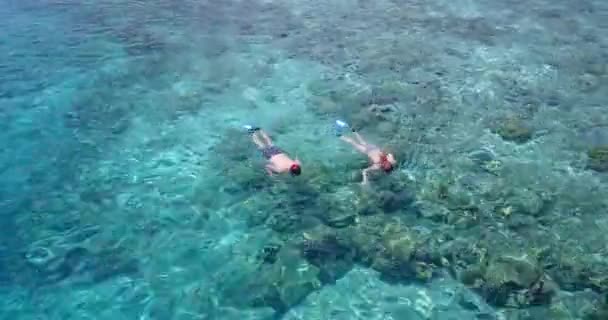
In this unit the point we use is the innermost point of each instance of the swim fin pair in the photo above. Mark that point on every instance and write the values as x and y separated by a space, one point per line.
339 128
251 129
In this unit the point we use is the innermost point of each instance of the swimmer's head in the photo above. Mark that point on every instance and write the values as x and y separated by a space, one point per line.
295 169
387 162
387 166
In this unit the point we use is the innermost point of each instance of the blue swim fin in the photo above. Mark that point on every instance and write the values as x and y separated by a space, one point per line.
340 127
251 129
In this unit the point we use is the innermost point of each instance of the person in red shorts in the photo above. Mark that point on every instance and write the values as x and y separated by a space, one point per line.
379 159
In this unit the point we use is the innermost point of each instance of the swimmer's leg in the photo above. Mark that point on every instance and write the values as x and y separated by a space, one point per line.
253 131
258 142
266 137
360 139
361 148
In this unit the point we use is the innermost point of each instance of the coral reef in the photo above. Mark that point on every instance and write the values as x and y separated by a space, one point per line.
598 158
600 311
131 191
514 129
280 285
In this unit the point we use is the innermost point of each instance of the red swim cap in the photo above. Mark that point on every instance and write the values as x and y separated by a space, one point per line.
386 165
295 169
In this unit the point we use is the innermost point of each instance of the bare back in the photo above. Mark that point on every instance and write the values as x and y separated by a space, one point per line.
281 162
374 155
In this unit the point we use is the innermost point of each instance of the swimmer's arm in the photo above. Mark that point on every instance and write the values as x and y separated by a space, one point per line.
270 169
365 173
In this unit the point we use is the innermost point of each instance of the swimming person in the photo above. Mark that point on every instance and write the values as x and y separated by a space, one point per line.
380 160
278 160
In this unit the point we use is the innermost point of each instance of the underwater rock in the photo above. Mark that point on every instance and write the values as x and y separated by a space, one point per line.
102 265
52 269
444 190
323 105
595 136
96 196
387 116
243 175
463 219
520 271
387 93
338 218
432 211
542 292
329 252
481 156
294 207
283 222
256 217
78 259
484 160
393 201
393 269
574 305
280 285
588 83
367 203
461 252
514 129
257 211
230 149
479 183
322 244
39 256
525 201
386 128
382 95
430 95
339 210
598 158
427 250
599 312
362 119
472 276
364 238
518 221
467 301
517 281
400 245
83 266
574 270
365 106
321 87
396 259
268 254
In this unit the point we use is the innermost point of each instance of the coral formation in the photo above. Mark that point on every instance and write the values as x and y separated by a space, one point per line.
598 158
131 123
514 129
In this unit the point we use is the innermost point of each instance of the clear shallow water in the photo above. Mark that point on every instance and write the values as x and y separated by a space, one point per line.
127 188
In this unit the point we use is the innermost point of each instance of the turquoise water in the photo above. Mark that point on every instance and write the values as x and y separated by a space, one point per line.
129 189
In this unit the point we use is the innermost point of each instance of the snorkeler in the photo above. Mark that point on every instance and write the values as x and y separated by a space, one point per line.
278 160
380 160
